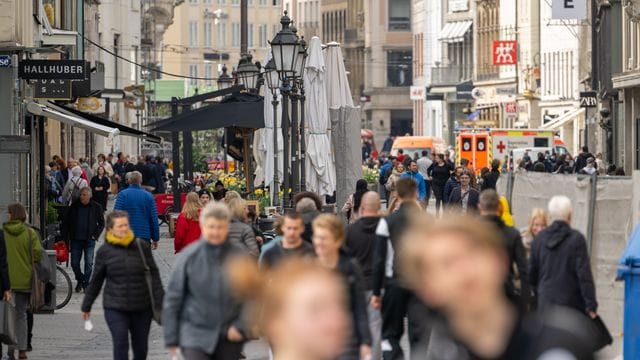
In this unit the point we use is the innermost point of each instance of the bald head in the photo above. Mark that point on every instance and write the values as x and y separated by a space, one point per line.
370 204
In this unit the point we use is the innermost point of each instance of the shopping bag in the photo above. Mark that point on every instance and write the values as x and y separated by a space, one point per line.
62 251
8 318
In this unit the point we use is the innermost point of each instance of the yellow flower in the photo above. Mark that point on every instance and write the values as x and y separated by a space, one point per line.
259 192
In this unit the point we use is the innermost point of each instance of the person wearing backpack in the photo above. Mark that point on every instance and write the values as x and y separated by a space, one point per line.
71 191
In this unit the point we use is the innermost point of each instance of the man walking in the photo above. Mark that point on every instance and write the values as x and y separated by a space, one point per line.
292 244
581 159
121 168
452 183
489 205
82 228
398 300
139 204
424 163
560 270
413 174
360 243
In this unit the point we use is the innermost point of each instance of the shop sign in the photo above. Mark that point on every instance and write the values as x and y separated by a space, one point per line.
91 105
505 52
458 5
569 9
52 69
506 90
15 144
52 89
464 91
511 108
134 97
417 93
588 99
5 61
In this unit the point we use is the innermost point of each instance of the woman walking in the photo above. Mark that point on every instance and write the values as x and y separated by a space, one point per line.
205 196
187 226
100 187
390 185
23 248
240 233
202 317
538 221
328 236
128 304
351 207
439 172
464 198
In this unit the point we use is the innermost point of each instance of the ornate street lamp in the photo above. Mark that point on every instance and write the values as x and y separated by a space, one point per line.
224 80
284 48
301 61
248 73
270 75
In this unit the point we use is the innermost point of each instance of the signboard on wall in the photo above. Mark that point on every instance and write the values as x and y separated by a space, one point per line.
418 93
505 52
569 9
458 5
91 105
52 89
52 69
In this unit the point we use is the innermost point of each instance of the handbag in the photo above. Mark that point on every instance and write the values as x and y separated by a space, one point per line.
39 277
62 251
600 333
157 315
8 317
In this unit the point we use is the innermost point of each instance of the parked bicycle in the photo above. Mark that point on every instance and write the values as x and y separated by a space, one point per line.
63 286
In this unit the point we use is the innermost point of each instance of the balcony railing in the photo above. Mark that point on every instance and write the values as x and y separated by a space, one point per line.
450 75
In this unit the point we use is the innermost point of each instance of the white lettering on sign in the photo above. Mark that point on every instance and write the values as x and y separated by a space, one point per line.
569 9
53 69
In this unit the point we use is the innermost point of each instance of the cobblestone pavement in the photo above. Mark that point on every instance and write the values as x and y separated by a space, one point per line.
62 335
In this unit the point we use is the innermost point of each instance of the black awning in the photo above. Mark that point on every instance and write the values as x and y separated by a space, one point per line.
244 111
124 130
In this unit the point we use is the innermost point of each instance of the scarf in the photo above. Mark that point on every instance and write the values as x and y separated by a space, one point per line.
120 241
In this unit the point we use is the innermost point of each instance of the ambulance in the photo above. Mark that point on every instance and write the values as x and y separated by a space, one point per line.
481 146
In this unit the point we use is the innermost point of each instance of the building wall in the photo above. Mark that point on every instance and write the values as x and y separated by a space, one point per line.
306 14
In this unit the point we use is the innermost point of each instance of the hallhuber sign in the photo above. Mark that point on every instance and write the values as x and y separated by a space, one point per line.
52 69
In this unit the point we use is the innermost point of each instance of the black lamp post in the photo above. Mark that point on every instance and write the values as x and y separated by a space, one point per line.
248 73
273 82
224 80
302 59
284 48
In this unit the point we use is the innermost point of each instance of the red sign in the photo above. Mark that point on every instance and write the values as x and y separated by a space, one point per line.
501 147
505 52
511 108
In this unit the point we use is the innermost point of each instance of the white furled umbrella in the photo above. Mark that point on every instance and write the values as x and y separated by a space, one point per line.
345 125
320 171
266 143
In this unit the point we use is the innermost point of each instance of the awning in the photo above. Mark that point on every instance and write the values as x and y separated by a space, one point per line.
565 118
242 111
124 130
54 112
454 31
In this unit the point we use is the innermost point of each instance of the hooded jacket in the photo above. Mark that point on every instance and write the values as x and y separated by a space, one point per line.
560 270
18 244
581 161
360 244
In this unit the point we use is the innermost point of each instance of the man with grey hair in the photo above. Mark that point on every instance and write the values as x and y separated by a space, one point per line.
141 207
72 189
307 206
82 227
560 269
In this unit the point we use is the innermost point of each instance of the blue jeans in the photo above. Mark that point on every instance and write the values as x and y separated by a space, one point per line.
78 248
123 323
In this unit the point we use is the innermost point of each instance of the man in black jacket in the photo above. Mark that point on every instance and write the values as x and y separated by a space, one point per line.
398 301
82 227
560 270
489 206
581 159
360 242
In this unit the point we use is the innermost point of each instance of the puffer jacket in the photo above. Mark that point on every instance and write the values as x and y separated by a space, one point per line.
123 270
242 236
143 214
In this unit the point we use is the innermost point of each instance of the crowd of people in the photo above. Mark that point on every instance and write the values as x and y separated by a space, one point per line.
469 284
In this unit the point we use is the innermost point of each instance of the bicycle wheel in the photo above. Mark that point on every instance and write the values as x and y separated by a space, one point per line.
64 288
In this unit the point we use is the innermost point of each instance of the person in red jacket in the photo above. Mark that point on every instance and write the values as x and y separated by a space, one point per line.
188 226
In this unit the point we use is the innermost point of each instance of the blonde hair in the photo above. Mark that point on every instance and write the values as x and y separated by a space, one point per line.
237 206
231 194
331 223
216 211
192 206
536 213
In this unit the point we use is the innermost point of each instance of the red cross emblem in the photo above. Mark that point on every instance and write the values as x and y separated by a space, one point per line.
501 147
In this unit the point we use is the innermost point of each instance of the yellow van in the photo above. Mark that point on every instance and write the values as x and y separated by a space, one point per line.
416 144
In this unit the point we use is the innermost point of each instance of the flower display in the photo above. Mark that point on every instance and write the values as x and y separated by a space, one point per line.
370 175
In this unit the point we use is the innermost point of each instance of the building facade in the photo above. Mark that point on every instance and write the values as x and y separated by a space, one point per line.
388 48
306 16
205 36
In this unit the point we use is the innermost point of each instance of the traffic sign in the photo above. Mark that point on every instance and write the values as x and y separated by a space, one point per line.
5 61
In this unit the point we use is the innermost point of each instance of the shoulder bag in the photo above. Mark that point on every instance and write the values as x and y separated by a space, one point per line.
39 277
157 315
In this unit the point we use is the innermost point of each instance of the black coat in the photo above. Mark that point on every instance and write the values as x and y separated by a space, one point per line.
360 245
358 303
96 221
126 288
517 259
581 161
560 270
100 196
455 200
5 284
490 180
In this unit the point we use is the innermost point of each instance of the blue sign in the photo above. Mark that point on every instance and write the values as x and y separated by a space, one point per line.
5 61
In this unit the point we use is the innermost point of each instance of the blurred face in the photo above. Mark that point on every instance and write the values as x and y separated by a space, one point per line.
537 226
313 320
214 230
459 172
71 163
85 197
465 180
400 168
413 167
292 230
457 276
120 227
324 242
101 171
204 198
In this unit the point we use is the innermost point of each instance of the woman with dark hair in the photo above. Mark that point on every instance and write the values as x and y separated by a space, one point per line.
351 207
219 191
100 186
439 173
129 301
205 196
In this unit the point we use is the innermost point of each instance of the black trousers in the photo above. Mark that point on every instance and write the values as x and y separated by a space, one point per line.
397 303
225 350
123 323
438 192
